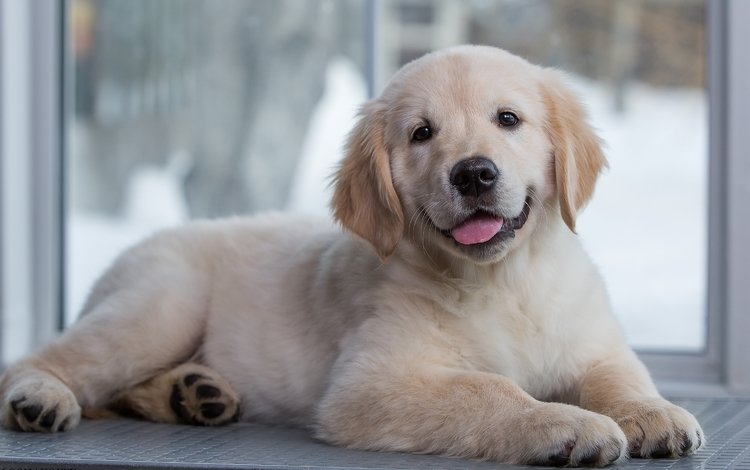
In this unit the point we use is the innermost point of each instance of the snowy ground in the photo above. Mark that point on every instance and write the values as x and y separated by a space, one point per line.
646 227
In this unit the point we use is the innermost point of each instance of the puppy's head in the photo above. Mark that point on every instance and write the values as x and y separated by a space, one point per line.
467 151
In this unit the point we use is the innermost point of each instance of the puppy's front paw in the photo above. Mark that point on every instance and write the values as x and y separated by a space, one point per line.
656 428
42 404
565 435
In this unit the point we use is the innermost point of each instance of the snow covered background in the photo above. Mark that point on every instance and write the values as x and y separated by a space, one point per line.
646 227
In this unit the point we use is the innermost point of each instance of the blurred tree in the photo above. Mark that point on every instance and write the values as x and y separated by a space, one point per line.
231 84
661 42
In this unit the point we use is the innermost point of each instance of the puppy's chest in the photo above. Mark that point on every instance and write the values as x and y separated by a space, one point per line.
517 339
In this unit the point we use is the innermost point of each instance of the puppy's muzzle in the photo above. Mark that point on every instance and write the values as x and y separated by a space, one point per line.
474 176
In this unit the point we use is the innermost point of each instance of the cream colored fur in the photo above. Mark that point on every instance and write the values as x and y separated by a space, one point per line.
396 339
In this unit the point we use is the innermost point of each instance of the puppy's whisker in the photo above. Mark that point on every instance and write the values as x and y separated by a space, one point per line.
423 229
540 209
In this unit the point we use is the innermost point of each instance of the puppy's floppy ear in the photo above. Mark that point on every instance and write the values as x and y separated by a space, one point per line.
364 199
577 149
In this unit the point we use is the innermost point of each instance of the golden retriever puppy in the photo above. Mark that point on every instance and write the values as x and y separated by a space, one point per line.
457 314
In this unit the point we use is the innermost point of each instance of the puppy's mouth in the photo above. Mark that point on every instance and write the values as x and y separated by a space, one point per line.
483 227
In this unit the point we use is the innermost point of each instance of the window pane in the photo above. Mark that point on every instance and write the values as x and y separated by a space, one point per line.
640 68
189 108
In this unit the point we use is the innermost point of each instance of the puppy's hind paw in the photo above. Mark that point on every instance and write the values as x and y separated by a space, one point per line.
202 397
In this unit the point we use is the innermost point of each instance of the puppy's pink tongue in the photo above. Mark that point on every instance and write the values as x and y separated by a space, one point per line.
477 229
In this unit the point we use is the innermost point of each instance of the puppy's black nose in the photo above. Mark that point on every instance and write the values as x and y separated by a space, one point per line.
474 176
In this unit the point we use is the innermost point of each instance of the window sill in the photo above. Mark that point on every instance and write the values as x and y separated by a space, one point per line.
127 444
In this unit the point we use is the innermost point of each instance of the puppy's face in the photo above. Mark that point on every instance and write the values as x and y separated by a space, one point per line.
465 152
470 157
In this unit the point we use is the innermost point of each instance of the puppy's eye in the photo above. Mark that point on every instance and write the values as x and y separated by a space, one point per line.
421 134
507 119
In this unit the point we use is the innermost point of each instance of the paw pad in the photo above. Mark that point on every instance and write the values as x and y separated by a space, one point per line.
34 416
202 400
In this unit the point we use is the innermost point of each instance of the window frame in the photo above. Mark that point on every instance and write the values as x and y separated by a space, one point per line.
720 369
737 173
2 178
31 124
47 167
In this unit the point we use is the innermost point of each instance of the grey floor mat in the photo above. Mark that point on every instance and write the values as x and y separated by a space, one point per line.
128 444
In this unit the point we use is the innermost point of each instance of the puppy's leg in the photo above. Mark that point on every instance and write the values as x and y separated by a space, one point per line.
429 409
150 322
622 389
188 394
